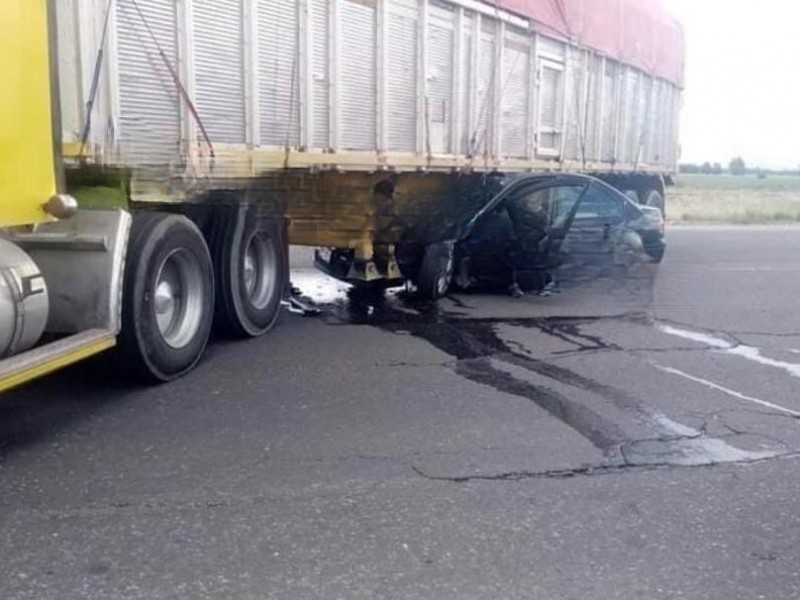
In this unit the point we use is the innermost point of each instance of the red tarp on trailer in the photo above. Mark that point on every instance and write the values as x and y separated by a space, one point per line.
637 32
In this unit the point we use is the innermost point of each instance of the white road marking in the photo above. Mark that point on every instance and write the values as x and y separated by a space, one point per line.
730 392
749 352
696 336
754 354
759 269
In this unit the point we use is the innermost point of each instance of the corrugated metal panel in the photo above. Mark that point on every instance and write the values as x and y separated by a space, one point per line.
630 105
643 119
219 68
150 122
468 81
665 120
594 84
670 124
675 105
550 107
150 127
607 129
552 48
357 93
439 88
661 125
320 81
482 137
278 70
653 154
574 127
401 80
514 96
635 131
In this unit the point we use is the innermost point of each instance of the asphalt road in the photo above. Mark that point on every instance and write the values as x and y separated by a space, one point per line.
635 436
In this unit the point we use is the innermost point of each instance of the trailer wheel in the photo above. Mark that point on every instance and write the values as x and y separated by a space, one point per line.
436 271
168 297
250 264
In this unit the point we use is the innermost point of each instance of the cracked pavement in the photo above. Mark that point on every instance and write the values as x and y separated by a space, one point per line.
635 436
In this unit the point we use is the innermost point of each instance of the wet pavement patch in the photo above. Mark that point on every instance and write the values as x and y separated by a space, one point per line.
690 452
479 354
604 434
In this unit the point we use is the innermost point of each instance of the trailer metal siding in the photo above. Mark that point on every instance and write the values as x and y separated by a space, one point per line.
468 83
514 100
357 93
481 137
401 83
278 72
147 48
320 78
359 85
219 68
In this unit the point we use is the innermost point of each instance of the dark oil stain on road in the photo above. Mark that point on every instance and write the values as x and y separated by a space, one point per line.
477 350
482 356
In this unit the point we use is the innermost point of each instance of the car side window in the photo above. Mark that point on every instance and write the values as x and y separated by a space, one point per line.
563 199
599 205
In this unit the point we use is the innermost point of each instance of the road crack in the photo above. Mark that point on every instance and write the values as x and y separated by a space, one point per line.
591 470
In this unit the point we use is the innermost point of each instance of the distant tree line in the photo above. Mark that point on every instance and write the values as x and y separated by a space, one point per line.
736 166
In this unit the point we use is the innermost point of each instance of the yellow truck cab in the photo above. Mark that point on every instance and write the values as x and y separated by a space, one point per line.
30 203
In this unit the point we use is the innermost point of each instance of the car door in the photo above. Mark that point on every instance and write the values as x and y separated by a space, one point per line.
597 226
529 217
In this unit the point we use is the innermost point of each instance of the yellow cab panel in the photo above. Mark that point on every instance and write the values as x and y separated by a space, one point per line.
27 160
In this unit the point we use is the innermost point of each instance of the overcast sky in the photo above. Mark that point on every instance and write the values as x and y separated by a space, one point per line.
742 81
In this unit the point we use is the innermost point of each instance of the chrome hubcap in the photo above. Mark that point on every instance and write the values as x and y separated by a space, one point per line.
178 299
444 279
259 264
250 275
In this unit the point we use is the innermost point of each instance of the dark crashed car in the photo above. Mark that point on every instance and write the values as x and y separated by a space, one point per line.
534 224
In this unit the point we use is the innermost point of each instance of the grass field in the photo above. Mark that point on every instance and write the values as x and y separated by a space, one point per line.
734 199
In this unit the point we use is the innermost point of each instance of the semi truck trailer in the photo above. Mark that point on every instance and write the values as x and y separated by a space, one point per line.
158 156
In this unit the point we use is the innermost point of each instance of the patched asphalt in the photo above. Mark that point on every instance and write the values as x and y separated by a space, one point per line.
634 436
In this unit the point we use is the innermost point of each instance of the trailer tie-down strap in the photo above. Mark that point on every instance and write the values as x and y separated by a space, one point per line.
177 80
87 126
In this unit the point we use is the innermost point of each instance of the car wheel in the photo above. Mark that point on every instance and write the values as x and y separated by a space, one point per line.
436 271
168 297
654 247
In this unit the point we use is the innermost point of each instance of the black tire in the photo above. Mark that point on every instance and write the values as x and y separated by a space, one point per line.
250 266
655 247
436 271
153 345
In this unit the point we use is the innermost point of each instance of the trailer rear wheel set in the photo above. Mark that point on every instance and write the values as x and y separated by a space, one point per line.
249 263
178 287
